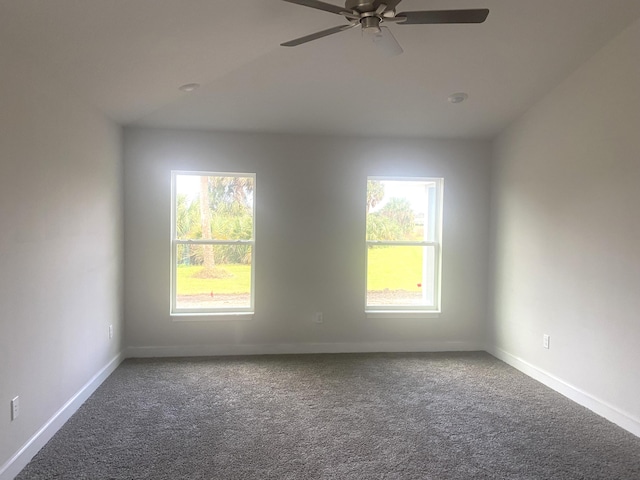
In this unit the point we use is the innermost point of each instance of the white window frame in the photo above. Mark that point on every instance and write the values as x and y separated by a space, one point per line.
219 312
413 311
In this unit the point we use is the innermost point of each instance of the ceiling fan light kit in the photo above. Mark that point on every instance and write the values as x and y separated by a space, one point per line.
370 24
370 14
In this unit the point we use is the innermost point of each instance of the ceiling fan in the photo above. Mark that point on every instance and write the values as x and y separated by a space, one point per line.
371 14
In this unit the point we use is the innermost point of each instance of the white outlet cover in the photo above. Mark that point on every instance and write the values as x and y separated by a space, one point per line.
15 408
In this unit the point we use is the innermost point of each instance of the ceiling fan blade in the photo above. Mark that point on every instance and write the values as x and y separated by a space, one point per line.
387 43
315 36
444 16
327 7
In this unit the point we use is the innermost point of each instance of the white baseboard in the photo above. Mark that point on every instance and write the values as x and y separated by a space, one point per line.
22 457
298 348
596 405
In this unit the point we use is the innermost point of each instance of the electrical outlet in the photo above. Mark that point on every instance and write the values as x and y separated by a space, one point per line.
545 341
110 332
15 408
318 317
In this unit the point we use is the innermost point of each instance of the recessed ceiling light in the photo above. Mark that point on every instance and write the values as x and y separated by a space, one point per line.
458 97
189 87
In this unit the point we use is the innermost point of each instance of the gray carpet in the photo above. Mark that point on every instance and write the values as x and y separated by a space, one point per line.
360 416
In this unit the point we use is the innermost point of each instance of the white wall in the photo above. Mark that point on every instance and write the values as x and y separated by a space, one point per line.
566 193
310 253
60 252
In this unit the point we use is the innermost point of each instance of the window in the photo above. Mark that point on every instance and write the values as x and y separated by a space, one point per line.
404 218
213 240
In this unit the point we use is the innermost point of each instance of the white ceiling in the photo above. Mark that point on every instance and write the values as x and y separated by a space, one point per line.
128 58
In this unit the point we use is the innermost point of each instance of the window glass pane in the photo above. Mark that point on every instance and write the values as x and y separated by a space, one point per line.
226 284
214 207
399 210
400 276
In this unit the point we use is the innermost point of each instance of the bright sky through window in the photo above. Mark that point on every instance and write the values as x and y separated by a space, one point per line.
413 191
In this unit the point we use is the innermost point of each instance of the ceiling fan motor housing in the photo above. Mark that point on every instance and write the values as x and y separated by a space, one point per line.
369 17
360 5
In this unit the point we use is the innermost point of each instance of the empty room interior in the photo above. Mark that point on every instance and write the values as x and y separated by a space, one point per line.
405 246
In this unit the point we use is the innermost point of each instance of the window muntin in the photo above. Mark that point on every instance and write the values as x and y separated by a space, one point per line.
213 227
404 217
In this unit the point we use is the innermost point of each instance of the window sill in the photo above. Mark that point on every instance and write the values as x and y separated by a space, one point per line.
210 316
401 314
